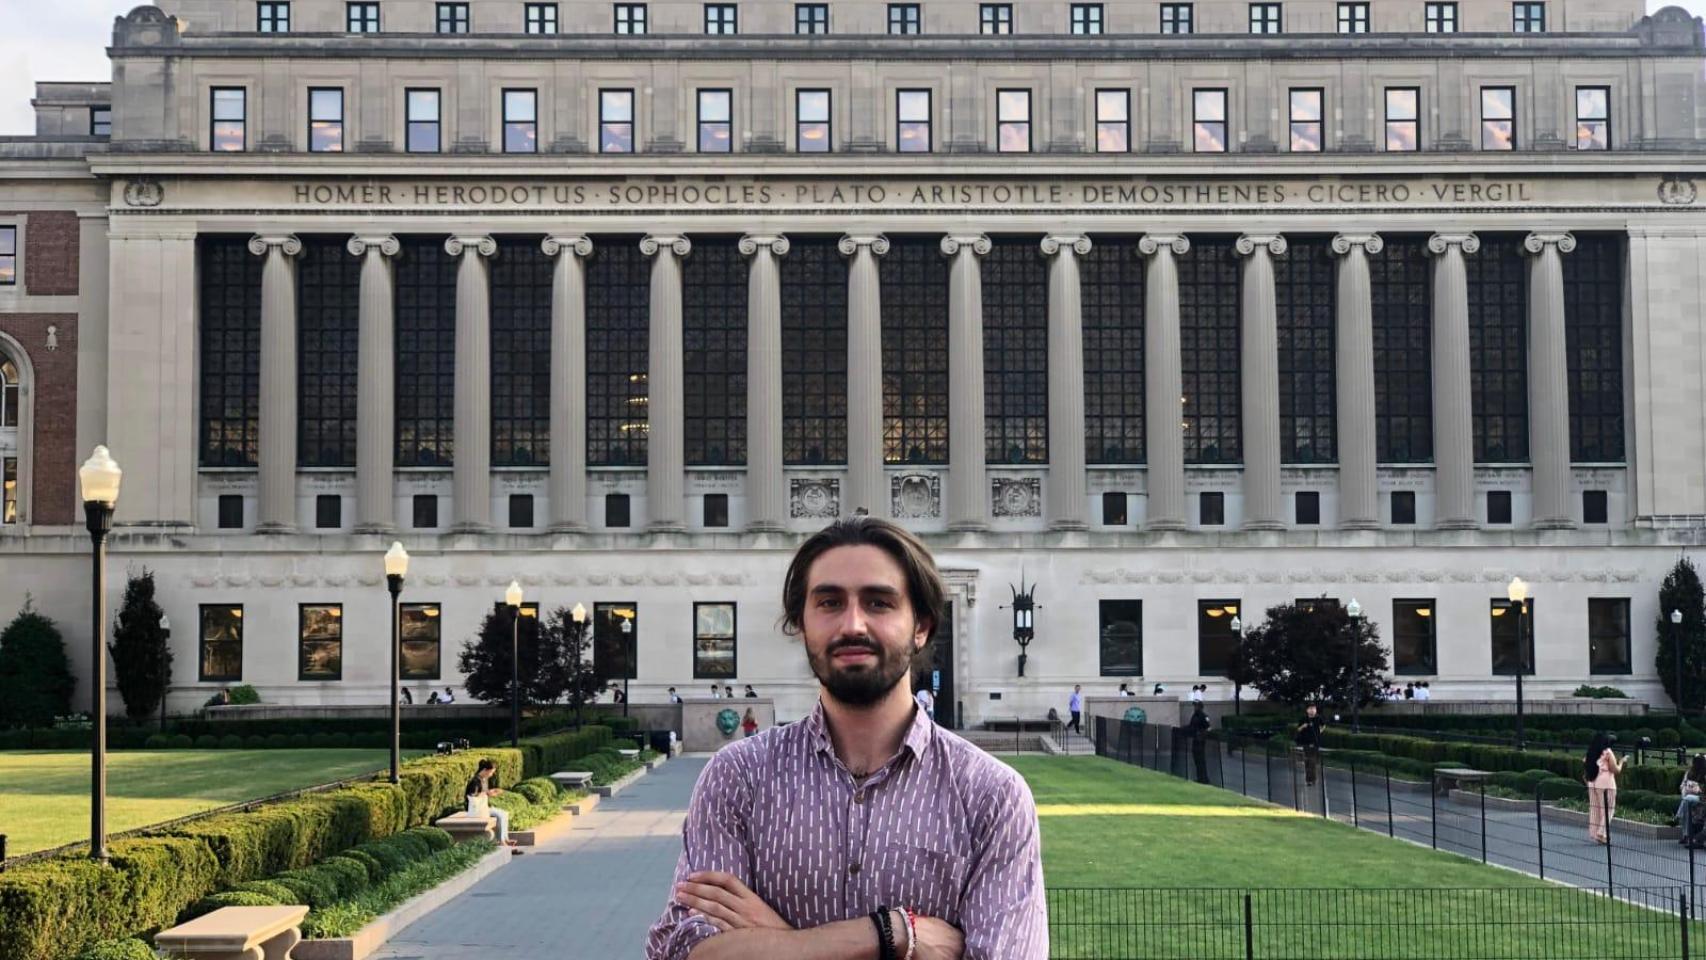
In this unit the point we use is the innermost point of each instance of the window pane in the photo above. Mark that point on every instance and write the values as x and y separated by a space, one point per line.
421 625
520 337
814 106
1592 103
814 355
1210 104
1112 105
1120 638
1113 303
616 106
1306 105
1507 656
616 137
1402 104
326 104
320 642
328 285
1217 643
228 104
520 106
423 105
713 641
714 106
1013 105
1015 351
1413 637
714 327
1497 103
915 351
1112 138
914 105
1608 635
221 643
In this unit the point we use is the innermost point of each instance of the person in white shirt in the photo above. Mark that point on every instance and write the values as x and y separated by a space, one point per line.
1422 692
1125 690
673 696
716 692
1196 692
448 696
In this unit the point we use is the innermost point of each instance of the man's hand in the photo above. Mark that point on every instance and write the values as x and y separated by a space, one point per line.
722 899
938 940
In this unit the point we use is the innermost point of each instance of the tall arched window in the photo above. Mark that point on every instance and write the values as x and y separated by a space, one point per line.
11 397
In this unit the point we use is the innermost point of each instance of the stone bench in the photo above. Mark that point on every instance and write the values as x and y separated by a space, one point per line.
236 933
572 779
1447 779
465 826
629 754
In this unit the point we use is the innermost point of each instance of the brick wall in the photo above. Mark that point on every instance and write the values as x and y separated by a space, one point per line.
54 454
50 254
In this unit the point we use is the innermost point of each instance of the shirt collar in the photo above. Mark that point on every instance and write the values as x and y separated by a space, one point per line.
918 732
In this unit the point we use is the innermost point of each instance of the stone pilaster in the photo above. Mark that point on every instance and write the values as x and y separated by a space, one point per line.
472 471
766 499
1264 508
1163 382
1067 491
867 483
1359 497
567 483
968 485
375 390
1454 424
1548 381
666 429
276 456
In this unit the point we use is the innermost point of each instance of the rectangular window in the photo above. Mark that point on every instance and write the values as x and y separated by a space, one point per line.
1608 633
1498 118
521 511
325 120
615 639
221 658
1264 18
272 17
1113 121
912 121
1306 121
521 121
1121 637
616 510
1414 650
1403 119
230 119
320 641
453 18
1177 17
814 358
811 121
1086 19
100 121
720 19
1595 508
230 511
1013 121
423 121
1440 17
811 18
1593 118
904 18
8 490
1208 121
1211 509
1353 18
1507 654
422 629
1308 508
615 121
328 511
1528 18
630 18
1403 508
1114 512
716 121
540 18
714 641
1217 642
425 507
716 510
8 256
995 18
1498 506
361 17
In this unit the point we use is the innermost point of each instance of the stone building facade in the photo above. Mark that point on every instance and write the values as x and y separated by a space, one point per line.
1177 311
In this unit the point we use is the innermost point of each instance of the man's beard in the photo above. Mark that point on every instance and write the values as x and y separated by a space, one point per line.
863 684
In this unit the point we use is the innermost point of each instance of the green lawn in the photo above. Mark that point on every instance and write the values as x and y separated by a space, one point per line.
1108 824
44 795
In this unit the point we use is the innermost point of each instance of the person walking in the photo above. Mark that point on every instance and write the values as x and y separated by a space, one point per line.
1309 741
1197 727
749 723
1075 703
1599 770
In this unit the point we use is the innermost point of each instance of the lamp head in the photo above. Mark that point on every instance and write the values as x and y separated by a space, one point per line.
396 560
165 623
99 477
627 626
1237 625
1517 592
1353 608
1676 616
578 614
512 596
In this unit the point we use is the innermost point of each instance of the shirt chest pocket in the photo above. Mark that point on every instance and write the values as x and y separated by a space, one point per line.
927 880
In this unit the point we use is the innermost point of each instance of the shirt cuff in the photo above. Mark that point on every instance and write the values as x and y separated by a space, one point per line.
689 934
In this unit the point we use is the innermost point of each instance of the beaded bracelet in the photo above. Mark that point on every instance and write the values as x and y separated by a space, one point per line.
911 932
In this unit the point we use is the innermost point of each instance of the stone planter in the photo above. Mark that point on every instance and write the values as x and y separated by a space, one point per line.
584 805
612 789
1619 826
373 936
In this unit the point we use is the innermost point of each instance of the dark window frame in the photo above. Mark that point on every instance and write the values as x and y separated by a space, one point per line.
1408 498
1266 19
1319 123
1498 349
229 350
1306 317
415 503
361 16
8 254
336 503
915 351
1401 294
1504 503
329 123
531 126
707 514
1199 125
537 17
722 19
714 323
1086 19
1597 638
1603 121
995 19
1596 507
522 278
1215 517
1210 330
1528 16
272 16
1405 637
605 631
814 353
328 341
1397 124
97 123
700 123
425 371
1120 517
1353 18
1015 353
1002 123
811 19
1439 17
604 124
1526 640
1310 517
302 643
1112 286
1510 121
1123 124
901 124
202 673
801 124
1175 16
436 123
228 500
1111 613
1593 344
905 19
1208 641
214 120
611 501
627 16
520 503
453 17
618 308
733 639
437 642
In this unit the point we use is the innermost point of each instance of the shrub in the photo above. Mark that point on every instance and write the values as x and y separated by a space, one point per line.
537 790
276 892
1558 788
337 740
207 741
229 898
244 694
254 743
278 740
128 948
35 674
1668 737
369 863
158 741
320 740
299 741
181 741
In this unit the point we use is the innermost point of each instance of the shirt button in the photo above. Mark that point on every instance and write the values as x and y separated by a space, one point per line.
854 869
859 796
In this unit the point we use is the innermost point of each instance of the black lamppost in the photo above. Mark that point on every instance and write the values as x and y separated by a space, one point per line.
512 598
1517 593
1237 626
1024 619
396 567
1676 648
166 636
99 477
628 659
1355 610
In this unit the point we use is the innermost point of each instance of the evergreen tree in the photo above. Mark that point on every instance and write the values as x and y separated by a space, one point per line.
1303 653
485 658
1682 591
35 674
142 653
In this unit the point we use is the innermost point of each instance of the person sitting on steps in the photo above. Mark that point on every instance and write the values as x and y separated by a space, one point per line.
479 793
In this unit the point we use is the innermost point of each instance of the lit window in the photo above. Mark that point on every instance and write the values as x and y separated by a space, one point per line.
811 126
1306 121
1208 119
1113 121
1013 121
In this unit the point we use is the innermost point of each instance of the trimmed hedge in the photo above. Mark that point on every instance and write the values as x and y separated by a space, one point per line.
128 948
337 878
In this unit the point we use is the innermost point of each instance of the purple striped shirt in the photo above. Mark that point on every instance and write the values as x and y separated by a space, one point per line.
942 828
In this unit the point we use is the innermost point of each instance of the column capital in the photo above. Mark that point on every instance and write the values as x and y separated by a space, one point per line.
751 243
574 243
1370 243
850 244
1153 243
482 245
1056 242
977 243
1441 242
1251 242
259 244
386 245
678 245
1538 242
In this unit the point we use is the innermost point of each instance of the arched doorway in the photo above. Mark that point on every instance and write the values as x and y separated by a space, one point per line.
11 453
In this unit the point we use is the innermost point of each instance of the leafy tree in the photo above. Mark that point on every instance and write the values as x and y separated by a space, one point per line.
1303 652
485 658
1681 590
142 653
583 679
35 674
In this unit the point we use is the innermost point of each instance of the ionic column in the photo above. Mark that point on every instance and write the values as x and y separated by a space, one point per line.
471 474
867 483
1067 491
766 500
567 483
1258 367
666 430
375 399
276 455
968 487
1163 382
1548 381
1359 497
1454 424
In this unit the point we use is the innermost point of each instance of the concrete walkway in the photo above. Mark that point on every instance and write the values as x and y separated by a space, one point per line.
590 894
